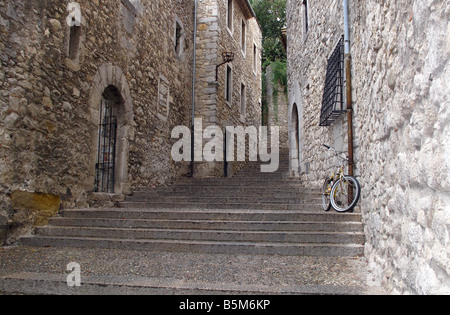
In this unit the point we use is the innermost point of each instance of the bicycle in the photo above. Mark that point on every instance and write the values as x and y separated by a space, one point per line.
340 191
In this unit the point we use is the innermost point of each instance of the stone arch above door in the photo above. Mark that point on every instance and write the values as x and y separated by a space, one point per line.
295 123
294 141
106 76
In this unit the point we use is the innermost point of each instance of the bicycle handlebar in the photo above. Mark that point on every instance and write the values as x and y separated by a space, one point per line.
336 152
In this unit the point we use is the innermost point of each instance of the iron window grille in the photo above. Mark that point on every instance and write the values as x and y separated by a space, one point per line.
105 167
333 96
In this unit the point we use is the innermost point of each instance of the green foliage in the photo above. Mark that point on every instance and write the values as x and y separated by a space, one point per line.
279 72
272 18
271 15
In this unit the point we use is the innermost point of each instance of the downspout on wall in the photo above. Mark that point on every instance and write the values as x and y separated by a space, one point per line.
193 89
348 78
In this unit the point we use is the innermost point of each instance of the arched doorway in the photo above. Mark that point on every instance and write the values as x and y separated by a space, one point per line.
295 142
111 118
105 168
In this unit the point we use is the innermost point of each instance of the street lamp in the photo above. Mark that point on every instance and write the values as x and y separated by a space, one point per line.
227 57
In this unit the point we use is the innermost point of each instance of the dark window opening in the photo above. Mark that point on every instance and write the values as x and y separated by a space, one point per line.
178 39
229 85
74 42
305 15
243 99
255 52
243 39
230 15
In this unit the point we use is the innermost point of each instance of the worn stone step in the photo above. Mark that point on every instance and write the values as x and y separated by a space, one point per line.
215 192
236 181
257 180
225 215
198 205
56 284
211 225
212 247
205 235
225 191
236 185
225 199
257 171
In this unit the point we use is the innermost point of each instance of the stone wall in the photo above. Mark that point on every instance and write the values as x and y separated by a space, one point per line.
213 38
400 52
277 105
52 78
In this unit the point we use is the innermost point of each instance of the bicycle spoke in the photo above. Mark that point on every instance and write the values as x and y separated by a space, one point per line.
326 194
345 194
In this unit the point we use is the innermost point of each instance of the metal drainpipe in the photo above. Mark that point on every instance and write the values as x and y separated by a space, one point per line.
193 89
348 77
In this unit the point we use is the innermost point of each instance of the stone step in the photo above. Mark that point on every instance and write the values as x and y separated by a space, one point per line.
210 192
225 215
211 247
250 206
236 182
257 170
282 168
205 235
245 181
224 199
56 284
189 224
251 213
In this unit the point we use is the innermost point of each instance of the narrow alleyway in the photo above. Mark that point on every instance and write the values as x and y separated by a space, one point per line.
251 234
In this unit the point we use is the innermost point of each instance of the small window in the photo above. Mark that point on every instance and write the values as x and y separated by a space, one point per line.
255 60
230 16
229 85
305 17
244 37
74 42
243 99
333 96
179 38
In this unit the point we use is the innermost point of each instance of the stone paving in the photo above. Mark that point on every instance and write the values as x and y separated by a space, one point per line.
236 273
125 269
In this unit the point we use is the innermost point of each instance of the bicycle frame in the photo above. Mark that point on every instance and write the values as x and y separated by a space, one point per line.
341 172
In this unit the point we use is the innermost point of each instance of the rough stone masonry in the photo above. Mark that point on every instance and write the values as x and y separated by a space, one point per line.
63 62
400 72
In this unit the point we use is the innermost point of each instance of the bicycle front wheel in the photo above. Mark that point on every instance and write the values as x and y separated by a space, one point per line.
326 192
345 194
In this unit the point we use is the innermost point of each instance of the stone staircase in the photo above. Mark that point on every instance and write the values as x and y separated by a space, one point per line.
250 213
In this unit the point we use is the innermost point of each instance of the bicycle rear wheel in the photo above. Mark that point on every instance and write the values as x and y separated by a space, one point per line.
326 192
345 194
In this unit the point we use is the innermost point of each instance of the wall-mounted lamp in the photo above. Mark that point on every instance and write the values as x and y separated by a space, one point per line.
227 57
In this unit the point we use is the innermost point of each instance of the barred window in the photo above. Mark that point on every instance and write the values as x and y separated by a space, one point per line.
333 96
